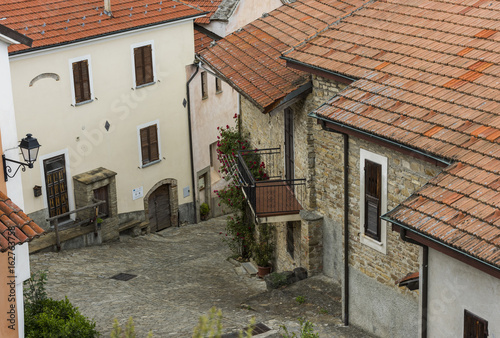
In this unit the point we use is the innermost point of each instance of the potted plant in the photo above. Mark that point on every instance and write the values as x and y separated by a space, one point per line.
262 255
204 211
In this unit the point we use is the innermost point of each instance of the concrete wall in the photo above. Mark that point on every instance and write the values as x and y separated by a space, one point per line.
45 110
454 287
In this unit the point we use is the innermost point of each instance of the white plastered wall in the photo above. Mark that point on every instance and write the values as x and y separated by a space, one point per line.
454 287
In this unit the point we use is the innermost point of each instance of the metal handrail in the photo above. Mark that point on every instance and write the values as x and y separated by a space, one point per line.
55 219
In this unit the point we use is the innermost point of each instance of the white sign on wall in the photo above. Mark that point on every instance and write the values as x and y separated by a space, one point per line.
137 193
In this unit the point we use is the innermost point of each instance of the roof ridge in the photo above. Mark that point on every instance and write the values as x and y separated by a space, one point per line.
328 26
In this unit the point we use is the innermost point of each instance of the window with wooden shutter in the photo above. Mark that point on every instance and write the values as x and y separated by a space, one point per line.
143 59
81 81
290 243
101 194
373 181
474 326
204 86
218 85
149 144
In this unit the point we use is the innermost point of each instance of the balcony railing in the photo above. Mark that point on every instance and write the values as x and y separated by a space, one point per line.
261 179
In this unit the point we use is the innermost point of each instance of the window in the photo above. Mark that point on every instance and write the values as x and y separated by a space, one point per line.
290 246
149 144
204 89
101 194
218 85
143 65
373 181
474 326
373 200
81 81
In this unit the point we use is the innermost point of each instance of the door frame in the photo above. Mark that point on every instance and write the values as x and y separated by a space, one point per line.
174 200
69 180
289 147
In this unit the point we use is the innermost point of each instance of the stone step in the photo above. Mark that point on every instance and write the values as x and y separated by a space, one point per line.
250 268
128 225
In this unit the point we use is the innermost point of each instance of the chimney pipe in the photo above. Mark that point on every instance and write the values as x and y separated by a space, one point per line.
107 7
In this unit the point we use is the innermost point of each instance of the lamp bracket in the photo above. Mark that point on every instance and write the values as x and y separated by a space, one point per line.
7 168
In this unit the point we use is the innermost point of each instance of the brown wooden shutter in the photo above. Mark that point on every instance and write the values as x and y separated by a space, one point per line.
148 64
102 195
474 326
144 145
153 143
77 80
139 66
373 184
81 81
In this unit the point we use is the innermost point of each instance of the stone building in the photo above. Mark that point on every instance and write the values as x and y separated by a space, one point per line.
399 153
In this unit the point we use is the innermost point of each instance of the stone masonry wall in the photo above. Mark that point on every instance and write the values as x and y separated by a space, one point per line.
405 175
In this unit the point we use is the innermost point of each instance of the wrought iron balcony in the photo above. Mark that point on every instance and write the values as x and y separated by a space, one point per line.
269 194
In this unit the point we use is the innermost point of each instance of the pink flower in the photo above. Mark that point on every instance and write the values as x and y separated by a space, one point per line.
227 126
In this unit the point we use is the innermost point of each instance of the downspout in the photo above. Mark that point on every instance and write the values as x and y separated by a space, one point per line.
346 230
193 182
346 220
423 279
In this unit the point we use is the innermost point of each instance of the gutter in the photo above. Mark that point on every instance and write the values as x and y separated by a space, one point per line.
346 223
100 36
191 144
380 138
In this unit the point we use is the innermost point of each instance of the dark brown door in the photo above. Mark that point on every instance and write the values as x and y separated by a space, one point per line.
159 209
289 159
101 194
56 186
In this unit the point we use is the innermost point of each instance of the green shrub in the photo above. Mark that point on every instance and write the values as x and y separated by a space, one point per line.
45 317
128 332
57 318
204 209
306 330
210 326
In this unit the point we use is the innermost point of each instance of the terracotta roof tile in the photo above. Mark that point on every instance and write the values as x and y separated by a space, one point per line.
15 226
56 22
428 78
249 59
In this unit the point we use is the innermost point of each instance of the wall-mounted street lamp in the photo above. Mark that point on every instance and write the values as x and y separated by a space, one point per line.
29 148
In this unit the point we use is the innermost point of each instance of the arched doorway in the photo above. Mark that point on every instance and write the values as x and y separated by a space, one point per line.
161 206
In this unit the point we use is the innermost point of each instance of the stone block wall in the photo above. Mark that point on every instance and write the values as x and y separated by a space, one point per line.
405 175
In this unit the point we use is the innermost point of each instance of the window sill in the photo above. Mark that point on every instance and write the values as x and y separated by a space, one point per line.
83 102
204 97
218 92
145 85
150 164
372 243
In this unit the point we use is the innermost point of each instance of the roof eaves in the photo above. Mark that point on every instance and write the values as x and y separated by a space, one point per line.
23 51
225 11
231 83
13 35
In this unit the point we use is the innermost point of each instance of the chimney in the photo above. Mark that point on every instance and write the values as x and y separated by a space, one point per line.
107 7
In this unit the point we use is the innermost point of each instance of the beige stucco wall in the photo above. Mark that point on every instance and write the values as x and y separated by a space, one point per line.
454 287
46 111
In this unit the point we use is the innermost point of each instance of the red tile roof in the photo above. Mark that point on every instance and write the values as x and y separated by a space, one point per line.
209 6
15 226
202 38
55 22
428 77
249 59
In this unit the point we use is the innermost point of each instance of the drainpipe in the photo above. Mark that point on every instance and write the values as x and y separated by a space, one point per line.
423 279
346 220
193 182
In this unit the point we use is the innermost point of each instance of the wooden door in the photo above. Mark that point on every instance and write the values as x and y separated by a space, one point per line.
289 158
56 186
159 209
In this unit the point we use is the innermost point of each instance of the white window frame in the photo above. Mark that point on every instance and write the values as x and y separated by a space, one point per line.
367 240
91 80
139 146
142 44
69 179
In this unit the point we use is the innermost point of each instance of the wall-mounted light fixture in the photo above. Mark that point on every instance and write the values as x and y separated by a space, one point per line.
29 148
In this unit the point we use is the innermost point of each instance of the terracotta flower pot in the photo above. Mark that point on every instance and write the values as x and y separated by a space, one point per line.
263 271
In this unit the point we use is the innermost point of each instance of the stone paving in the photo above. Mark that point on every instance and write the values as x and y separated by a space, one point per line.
181 273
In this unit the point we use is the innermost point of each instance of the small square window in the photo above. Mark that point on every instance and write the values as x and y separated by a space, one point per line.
204 85
218 85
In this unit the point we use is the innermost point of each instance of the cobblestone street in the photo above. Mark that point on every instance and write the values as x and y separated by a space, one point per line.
181 273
